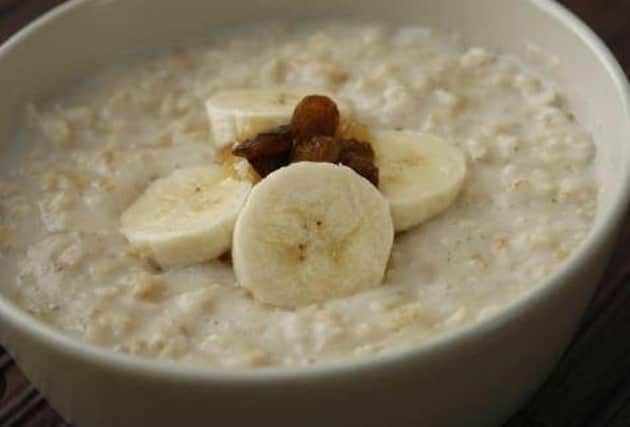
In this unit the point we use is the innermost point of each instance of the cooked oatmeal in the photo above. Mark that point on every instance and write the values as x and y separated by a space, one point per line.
528 201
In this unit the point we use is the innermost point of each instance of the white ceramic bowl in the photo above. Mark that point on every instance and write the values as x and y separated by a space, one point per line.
475 376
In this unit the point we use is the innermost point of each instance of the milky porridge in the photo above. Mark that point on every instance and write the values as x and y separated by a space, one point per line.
527 201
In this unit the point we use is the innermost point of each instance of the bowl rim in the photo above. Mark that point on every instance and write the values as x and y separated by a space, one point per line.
169 371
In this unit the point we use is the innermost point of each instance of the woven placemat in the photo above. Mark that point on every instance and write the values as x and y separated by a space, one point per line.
591 385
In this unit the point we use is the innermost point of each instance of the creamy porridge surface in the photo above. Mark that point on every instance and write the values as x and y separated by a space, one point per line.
528 201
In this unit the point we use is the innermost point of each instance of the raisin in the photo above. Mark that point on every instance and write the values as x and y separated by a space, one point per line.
310 137
265 144
315 115
354 146
363 167
265 165
226 257
316 149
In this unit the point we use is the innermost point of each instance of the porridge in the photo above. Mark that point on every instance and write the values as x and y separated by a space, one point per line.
527 200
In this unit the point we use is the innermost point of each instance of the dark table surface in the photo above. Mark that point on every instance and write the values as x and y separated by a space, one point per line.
590 387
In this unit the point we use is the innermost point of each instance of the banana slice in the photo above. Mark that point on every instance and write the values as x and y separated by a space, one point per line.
186 217
310 232
236 115
420 174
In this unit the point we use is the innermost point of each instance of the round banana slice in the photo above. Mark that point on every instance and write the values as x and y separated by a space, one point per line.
420 174
236 115
186 217
310 232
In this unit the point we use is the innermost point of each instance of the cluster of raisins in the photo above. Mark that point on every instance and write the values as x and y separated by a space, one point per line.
309 137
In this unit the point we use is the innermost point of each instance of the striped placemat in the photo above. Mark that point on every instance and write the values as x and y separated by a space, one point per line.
20 403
